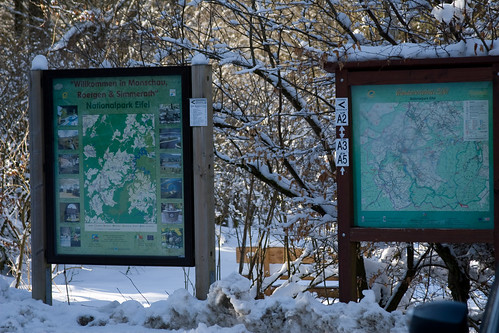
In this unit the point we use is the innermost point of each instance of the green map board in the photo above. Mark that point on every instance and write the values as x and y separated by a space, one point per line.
422 155
119 181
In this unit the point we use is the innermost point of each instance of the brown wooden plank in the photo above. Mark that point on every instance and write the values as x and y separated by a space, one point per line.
431 63
275 255
310 278
422 235
320 291
249 253
413 76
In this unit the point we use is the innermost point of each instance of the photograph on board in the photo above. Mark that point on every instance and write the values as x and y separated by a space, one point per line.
67 115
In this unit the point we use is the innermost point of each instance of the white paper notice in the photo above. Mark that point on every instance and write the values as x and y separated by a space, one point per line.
476 120
198 108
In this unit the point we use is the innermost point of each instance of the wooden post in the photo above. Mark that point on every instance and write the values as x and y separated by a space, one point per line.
204 201
41 272
495 147
347 252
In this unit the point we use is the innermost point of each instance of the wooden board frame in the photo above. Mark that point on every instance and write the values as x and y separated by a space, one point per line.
406 72
122 75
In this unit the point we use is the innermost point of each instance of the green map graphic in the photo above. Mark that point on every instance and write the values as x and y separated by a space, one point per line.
424 162
423 150
119 169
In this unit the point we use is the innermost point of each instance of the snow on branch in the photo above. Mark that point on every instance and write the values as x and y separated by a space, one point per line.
465 48
71 34
276 181
87 20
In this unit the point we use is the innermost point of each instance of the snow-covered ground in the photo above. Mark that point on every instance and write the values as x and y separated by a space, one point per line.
145 299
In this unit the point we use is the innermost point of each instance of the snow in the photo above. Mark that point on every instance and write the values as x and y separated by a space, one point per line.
230 307
144 299
344 19
447 12
39 63
466 48
199 59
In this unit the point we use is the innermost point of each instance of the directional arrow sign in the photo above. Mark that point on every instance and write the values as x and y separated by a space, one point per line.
341 106
342 152
342 132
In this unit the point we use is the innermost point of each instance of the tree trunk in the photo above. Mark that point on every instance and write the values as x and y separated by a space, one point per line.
458 280
361 273
412 270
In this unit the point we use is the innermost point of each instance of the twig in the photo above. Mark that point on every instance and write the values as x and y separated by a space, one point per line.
136 288
122 294
66 283
187 280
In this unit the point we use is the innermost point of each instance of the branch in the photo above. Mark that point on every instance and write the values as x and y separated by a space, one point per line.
379 28
273 180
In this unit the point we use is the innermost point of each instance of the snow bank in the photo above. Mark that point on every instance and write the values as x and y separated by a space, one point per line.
230 307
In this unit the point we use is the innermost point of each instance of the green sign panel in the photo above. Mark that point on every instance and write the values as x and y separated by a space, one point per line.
120 158
422 155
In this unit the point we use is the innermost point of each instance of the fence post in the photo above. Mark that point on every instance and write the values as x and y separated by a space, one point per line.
41 272
204 201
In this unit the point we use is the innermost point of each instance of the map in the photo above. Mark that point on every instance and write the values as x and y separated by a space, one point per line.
117 144
119 172
422 150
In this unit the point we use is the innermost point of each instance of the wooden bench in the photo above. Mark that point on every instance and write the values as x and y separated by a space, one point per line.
278 255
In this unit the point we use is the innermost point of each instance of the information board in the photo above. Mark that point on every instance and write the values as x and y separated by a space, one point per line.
422 155
119 166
